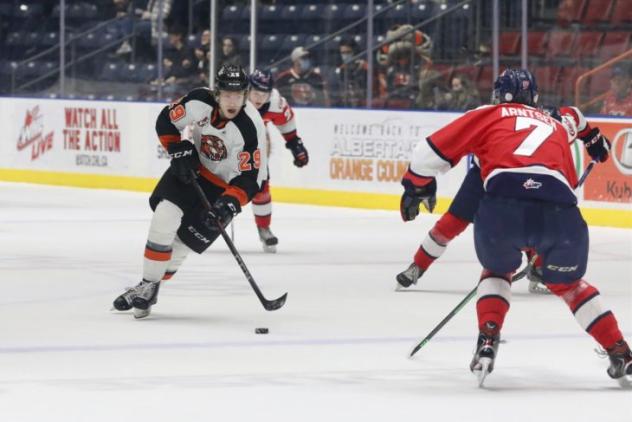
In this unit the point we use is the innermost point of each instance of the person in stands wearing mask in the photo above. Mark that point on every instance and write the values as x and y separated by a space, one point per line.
302 84
351 76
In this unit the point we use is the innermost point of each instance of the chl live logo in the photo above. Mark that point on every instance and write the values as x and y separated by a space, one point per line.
32 134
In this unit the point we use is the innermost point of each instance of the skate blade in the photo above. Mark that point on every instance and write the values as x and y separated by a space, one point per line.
399 286
141 313
538 290
482 373
269 248
625 382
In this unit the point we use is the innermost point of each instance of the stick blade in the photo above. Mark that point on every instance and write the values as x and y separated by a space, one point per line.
418 347
273 305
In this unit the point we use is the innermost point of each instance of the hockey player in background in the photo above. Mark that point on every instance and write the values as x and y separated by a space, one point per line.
529 178
273 108
465 203
227 152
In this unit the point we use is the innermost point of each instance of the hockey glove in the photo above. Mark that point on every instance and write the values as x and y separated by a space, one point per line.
597 145
417 190
184 158
224 209
298 151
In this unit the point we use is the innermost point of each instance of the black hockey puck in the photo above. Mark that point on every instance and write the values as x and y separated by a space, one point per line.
261 330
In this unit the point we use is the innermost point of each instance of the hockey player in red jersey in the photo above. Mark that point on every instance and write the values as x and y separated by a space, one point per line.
528 178
227 151
463 208
273 109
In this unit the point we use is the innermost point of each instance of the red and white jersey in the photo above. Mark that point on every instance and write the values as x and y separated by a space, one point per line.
522 151
278 111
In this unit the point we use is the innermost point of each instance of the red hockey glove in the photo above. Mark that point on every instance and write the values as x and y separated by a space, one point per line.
597 145
298 151
417 190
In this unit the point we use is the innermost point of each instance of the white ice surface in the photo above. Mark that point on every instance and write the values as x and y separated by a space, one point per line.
336 352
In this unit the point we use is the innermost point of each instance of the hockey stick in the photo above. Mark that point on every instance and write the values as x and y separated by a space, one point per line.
583 177
269 305
519 275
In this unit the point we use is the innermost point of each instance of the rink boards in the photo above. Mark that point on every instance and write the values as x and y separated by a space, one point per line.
357 157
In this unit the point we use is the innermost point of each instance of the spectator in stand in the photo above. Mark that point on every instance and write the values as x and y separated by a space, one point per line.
462 95
148 12
229 53
123 25
202 59
432 89
351 76
302 84
179 53
179 70
618 101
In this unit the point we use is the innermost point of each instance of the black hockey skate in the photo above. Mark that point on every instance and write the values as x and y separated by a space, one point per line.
536 282
409 276
268 239
621 364
124 301
145 298
486 350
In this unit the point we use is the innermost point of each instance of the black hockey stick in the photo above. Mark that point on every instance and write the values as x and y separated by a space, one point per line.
519 275
269 305
583 177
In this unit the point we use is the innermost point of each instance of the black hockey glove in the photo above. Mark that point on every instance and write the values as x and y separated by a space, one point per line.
298 151
184 158
417 190
597 145
224 209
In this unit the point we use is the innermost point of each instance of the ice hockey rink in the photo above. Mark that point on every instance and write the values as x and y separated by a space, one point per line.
337 351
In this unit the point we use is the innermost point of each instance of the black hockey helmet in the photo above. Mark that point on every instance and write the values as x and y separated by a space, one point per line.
261 80
515 86
231 77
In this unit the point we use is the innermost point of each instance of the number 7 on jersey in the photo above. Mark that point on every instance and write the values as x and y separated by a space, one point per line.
535 138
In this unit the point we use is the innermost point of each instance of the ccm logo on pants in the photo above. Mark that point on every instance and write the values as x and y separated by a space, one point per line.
561 269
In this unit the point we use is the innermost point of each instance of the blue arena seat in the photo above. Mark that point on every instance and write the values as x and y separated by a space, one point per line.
23 10
290 19
89 41
271 44
292 41
111 71
333 15
231 19
269 18
353 12
311 18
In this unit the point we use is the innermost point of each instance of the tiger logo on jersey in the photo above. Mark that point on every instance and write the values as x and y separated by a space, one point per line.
213 148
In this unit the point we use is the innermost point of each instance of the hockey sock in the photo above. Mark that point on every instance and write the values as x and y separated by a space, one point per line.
445 229
584 301
162 231
262 207
178 253
494 296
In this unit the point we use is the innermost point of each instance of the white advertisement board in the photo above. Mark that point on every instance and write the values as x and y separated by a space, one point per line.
359 151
